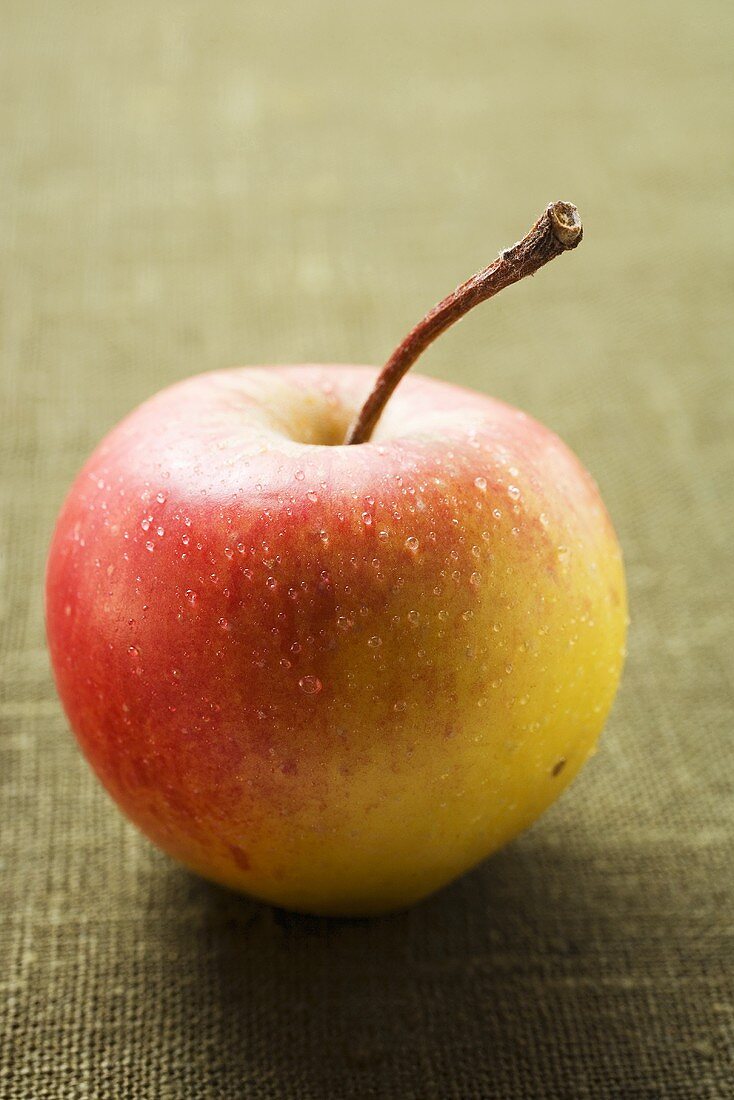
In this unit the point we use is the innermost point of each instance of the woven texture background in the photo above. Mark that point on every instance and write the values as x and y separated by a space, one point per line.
187 186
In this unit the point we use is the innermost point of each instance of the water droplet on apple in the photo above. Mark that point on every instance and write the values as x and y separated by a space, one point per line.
366 519
443 615
412 543
310 685
312 496
467 615
145 524
228 552
299 475
414 617
191 597
481 483
513 492
543 519
375 641
161 498
399 707
150 546
562 553
475 578
160 532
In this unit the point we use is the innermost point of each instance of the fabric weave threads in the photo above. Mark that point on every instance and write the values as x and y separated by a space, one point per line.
184 187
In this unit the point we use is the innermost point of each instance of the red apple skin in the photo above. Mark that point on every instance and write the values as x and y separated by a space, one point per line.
333 677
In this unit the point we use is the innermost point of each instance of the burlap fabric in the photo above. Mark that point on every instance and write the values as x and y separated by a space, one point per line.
187 186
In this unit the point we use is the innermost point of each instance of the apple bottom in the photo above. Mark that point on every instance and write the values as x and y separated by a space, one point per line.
346 874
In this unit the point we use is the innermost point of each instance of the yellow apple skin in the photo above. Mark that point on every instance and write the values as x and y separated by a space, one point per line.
334 678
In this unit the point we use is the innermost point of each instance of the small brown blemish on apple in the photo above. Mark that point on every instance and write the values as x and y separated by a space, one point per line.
559 766
240 857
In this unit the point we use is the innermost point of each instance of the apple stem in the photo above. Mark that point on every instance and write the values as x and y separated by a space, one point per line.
557 230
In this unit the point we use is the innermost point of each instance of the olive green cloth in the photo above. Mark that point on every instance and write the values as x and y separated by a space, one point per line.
185 186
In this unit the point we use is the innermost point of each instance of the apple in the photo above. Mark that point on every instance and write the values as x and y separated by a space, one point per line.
334 676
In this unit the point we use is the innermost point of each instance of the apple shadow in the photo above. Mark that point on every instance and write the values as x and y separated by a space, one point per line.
517 980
